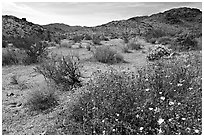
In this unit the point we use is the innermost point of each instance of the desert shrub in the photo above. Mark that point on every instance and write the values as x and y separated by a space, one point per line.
125 49
164 40
66 43
64 71
102 37
4 44
41 99
87 37
163 98
77 38
96 40
158 52
14 79
105 54
33 46
88 47
155 33
185 42
135 44
9 57
125 37
152 40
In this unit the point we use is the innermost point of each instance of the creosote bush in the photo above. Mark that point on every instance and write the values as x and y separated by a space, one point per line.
164 98
41 99
135 44
64 71
105 54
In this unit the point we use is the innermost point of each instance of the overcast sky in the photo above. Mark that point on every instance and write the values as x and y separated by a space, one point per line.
86 14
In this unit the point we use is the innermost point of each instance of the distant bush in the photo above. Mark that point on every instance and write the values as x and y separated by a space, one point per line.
135 44
87 37
33 46
164 98
152 40
88 47
41 99
77 38
96 40
165 40
154 33
9 57
4 44
185 42
105 54
125 49
64 71
66 44
158 52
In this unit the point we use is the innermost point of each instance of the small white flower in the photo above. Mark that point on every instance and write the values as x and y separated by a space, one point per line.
190 88
150 108
196 130
146 79
116 119
160 130
171 103
160 121
103 120
160 92
183 118
137 116
147 89
104 132
141 128
113 130
179 84
170 83
162 98
117 114
170 119
179 103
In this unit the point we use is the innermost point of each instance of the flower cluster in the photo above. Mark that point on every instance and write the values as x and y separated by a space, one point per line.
158 52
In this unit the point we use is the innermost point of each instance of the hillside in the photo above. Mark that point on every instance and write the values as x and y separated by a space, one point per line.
171 23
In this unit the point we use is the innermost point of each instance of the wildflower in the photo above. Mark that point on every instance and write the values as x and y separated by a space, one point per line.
179 85
179 103
190 88
117 114
170 119
183 118
150 108
196 130
162 98
146 79
147 89
141 128
137 116
113 130
171 103
103 120
160 130
104 132
160 92
160 121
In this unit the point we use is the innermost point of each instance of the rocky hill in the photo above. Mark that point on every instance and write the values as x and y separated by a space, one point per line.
171 22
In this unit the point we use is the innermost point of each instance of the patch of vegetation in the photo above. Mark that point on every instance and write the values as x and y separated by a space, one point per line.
135 44
164 98
165 40
185 43
77 38
42 99
125 49
96 40
64 71
9 57
158 53
105 54
65 43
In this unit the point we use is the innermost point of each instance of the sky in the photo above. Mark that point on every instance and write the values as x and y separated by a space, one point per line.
86 13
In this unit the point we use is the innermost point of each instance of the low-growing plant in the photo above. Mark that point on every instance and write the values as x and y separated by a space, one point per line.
125 49
105 54
163 98
135 44
14 79
96 40
77 38
165 40
185 42
64 71
9 57
66 44
88 47
158 52
41 99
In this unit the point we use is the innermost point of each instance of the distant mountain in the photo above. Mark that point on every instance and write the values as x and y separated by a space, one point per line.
172 22
15 27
